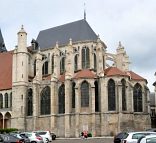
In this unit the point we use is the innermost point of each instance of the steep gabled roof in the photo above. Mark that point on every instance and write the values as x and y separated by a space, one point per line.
6 70
2 45
77 31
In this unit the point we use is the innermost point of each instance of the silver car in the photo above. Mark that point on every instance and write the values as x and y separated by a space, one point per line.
34 137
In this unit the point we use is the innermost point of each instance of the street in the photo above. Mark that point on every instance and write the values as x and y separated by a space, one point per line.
89 140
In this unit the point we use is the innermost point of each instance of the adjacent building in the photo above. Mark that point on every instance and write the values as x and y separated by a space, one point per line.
67 82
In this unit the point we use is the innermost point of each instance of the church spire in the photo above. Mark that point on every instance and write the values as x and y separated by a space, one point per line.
84 11
2 44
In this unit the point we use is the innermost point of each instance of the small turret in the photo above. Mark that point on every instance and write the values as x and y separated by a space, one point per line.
22 40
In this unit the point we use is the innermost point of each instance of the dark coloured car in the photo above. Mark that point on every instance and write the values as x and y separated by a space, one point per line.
120 136
21 136
11 139
151 130
53 136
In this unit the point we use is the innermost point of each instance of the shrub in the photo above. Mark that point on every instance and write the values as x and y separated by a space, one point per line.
7 130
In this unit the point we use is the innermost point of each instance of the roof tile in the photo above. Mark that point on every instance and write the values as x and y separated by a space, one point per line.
85 74
6 70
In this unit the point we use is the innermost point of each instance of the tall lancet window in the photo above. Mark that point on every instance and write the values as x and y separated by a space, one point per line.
1 101
6 100
35 68
52 64
84 94
111 95
73 95
124 103
61 99
45 101
45 68
96 96
29 102
85 58
62 65
137 98
76 62
95 62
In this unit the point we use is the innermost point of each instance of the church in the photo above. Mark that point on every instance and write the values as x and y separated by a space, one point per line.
67 82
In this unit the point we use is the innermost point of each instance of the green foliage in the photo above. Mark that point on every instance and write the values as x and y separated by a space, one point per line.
89 134
7 130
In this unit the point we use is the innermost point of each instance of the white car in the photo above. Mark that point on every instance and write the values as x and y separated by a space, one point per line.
45 134
131 137
147 139
134 136
34 137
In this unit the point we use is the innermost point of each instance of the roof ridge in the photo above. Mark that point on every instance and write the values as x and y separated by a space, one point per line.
63 24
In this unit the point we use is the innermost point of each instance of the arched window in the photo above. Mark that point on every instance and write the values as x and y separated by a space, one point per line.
96 96
45 68
85 58
73 95
95 64
35 67
84 94
6 100
30 102
45 101
137 98
76 62
62 65
124 103
1 101
52 64
61 99
111 95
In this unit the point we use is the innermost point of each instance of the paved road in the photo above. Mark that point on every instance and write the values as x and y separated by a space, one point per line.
89 140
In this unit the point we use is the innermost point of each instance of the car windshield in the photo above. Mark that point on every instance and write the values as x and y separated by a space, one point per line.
151 140
122 135
41 133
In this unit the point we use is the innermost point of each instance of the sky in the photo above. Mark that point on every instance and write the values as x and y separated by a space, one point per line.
133 22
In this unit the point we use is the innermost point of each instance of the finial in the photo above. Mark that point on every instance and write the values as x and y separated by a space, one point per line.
84 11
22 27
56 44
98 38
70 41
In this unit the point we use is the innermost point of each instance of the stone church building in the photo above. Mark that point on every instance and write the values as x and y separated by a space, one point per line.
67 82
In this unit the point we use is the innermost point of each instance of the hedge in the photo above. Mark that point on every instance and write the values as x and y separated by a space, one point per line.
8 130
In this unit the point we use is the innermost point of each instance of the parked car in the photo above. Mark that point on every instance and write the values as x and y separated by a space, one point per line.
147 139
21 136
151 130
34 137
11 139
131 137
53 136
45 134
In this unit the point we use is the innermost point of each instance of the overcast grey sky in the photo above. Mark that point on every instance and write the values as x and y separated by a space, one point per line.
133 22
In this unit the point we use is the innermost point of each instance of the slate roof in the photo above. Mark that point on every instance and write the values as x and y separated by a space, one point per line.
77 31
2 45
6 70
